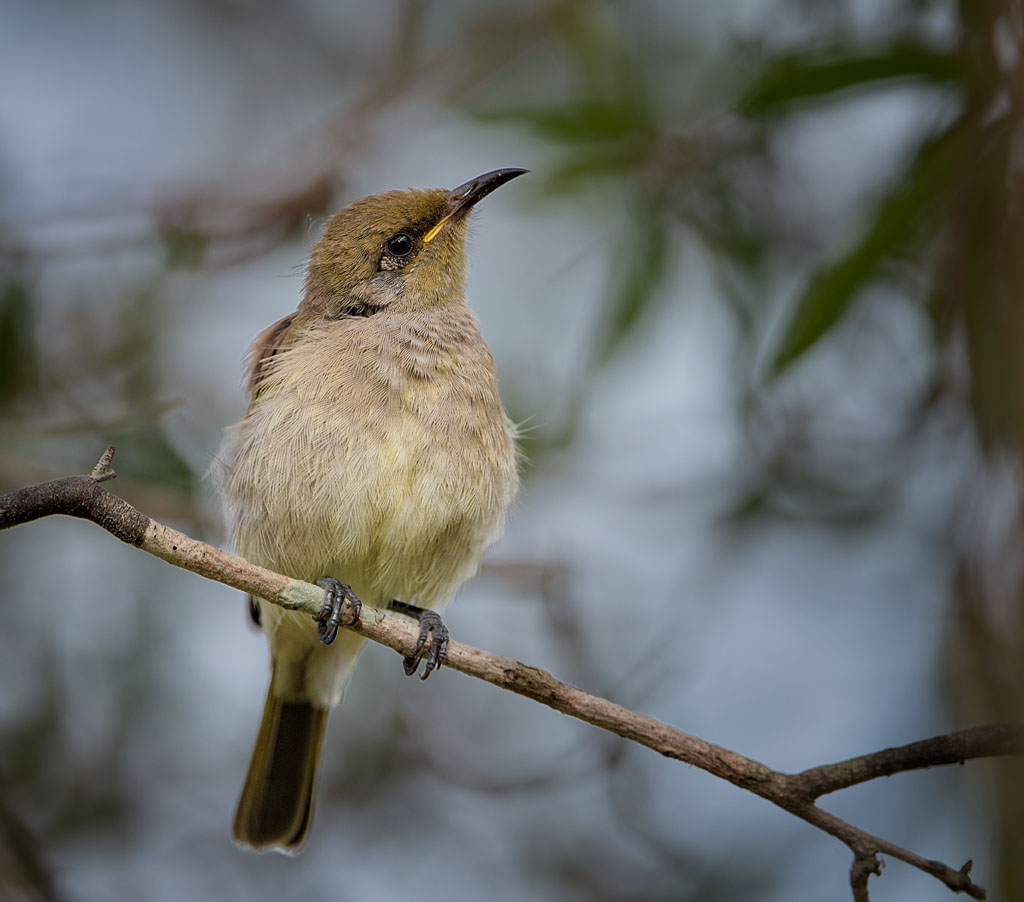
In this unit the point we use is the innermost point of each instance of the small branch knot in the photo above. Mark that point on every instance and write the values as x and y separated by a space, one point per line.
103 471
865 865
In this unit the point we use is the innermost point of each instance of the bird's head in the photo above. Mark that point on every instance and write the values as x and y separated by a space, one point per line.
402 250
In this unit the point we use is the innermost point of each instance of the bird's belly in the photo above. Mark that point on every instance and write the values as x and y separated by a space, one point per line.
401 510
399 524
433 511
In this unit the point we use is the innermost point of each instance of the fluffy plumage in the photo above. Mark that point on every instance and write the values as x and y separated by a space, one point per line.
375 450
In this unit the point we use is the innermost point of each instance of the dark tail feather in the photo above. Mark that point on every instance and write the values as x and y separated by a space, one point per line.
275 810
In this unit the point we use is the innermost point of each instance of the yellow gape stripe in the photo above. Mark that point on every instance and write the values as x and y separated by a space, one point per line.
432 234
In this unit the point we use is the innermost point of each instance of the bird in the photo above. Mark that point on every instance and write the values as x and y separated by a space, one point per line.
375 458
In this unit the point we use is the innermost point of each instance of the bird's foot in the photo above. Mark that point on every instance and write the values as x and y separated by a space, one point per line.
432 644
329 618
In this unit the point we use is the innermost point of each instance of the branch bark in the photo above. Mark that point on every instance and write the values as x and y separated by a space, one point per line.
84 497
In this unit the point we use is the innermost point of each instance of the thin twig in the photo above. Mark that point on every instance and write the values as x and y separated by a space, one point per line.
952 748
103 469
84 497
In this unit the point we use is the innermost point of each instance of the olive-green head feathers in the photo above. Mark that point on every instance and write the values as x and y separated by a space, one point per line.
402 250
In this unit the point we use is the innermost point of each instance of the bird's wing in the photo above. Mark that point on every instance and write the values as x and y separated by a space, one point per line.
268 343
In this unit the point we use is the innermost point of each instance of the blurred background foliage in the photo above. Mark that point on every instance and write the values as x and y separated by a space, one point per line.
760 314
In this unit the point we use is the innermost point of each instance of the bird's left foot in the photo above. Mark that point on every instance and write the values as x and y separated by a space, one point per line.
329 618
432 644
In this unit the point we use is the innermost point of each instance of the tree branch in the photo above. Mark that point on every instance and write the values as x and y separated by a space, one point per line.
84 497
952 748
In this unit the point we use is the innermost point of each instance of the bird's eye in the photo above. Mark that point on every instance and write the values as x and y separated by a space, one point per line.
399 245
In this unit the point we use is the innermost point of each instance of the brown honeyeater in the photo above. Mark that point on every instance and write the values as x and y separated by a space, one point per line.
375 458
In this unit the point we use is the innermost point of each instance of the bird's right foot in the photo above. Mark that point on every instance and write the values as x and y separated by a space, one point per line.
432 645
329 618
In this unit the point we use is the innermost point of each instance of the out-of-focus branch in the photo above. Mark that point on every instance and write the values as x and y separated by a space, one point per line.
84 496
246 215
23 874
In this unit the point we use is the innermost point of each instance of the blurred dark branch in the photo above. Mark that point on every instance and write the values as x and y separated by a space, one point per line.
212 226
84 497
23 874
223 225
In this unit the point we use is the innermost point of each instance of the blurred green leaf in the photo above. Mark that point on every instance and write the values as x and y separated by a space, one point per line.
598 162
147 456
184 247
722 214
802 77
599 138
607 122
579 122
638 269
18 359
908 214
643 264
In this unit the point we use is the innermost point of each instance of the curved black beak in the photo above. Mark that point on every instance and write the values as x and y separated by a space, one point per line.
461 199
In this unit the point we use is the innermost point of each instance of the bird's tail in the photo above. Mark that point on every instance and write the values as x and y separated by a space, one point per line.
275 810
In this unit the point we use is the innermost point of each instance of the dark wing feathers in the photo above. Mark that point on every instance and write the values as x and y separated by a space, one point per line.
268 343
